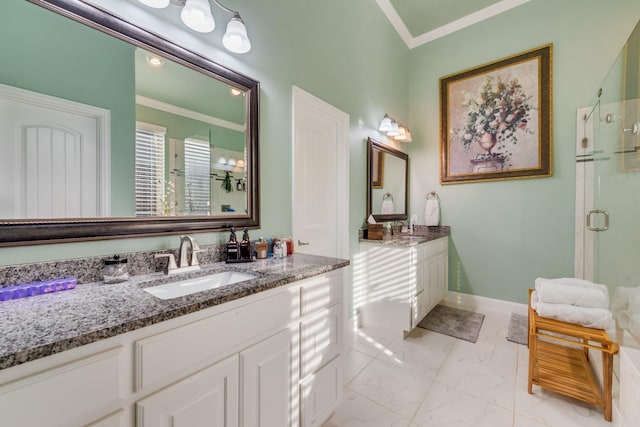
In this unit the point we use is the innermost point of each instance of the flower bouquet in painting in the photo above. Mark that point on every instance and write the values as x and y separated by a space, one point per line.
495 116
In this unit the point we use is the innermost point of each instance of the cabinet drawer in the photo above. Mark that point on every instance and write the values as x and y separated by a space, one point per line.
209 397
437 247
321 339
66 395
320 292
182 350
320 394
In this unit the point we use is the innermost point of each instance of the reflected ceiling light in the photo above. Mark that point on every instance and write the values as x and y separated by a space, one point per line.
157 4
231 162
196 14
155 61
222 161
235 92
240 163
395 130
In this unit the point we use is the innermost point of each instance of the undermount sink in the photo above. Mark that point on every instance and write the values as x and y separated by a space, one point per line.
197 284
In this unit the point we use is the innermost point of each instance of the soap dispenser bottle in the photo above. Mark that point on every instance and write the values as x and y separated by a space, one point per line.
232 247
245 246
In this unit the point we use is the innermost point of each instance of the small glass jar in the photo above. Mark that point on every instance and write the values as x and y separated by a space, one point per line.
115 270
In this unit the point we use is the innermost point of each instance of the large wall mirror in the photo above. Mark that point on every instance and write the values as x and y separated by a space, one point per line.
108 131
387 178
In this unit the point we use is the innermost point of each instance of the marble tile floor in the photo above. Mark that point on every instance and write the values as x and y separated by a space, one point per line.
429 379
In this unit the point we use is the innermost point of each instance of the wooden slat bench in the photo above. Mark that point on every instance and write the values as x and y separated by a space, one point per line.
561 363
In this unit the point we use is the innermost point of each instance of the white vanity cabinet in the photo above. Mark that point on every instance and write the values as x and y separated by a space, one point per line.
235 364
396 285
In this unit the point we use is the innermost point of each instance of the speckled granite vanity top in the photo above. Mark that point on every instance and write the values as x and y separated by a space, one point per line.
42 325
422 234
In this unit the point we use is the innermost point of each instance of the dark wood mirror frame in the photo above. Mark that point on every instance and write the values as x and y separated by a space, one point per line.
25 232
371 147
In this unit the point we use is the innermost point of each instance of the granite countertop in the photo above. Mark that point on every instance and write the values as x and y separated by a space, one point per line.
422 234
43 325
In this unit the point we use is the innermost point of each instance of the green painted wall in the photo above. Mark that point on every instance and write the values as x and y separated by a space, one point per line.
504 234
345 53
507 233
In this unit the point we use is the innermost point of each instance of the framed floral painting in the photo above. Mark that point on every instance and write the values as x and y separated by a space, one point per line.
495 120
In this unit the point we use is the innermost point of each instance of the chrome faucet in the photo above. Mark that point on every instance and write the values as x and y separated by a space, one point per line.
183 254
184 263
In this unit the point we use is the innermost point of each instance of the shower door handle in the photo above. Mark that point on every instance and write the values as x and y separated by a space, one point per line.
606 220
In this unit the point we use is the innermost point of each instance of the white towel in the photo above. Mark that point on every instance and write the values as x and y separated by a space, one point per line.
572 291
387 207
432 212
591 317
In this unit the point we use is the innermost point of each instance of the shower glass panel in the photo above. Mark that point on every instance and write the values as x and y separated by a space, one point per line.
613 223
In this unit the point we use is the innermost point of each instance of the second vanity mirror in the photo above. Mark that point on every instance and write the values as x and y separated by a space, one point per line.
387 182
108 131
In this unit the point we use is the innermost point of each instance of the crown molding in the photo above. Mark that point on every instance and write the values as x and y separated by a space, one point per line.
466 21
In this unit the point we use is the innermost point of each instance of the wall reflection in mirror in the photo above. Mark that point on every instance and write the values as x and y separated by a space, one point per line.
92 126
387 182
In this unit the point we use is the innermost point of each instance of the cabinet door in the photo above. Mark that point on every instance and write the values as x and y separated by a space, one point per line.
321 337
270 381
419 308
321 393
442 263
114 420
208 398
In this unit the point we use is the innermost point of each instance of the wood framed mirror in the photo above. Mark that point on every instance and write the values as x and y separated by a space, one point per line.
197 129
387 182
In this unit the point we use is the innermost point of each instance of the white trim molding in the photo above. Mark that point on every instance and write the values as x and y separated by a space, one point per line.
451 27
184 112
458 299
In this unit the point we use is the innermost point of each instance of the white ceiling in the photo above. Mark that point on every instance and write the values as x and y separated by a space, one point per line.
421 21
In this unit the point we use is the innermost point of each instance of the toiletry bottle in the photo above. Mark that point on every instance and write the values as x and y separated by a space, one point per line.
245 246
262 248
232 246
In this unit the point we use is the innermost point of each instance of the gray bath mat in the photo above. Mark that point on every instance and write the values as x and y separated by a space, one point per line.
518 329
454 322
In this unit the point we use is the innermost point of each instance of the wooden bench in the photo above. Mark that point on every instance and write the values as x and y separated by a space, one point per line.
561 363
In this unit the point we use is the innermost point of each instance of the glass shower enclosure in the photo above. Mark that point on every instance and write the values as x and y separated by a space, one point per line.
608 189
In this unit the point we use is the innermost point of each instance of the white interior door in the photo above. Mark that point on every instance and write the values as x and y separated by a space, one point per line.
57 162
320 176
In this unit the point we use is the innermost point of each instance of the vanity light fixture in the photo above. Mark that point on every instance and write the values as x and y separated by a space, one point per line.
222 161
196 14
235 92
392 128
231 162
405 135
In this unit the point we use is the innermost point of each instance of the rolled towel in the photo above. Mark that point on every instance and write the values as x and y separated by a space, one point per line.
572 291
591 317
432 212
387 207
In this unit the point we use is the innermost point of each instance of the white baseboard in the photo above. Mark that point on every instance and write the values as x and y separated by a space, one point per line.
457 299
